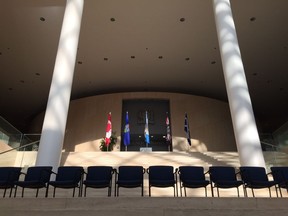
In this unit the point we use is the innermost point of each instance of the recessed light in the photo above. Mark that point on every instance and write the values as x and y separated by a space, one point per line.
252 19
132 57
22 81
80 62
38 74
112 19
213 62
160 57
105 59
182 19
42 19
10 89
255 74
187 59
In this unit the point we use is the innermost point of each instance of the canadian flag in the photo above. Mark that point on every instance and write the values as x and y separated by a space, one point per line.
108 130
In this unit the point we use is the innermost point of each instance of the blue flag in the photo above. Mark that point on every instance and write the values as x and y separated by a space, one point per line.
186 129
126 131
146 130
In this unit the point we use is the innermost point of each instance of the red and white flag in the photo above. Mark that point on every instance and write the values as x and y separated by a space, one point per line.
108 130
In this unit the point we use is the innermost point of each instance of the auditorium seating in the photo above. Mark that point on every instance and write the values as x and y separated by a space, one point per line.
156 176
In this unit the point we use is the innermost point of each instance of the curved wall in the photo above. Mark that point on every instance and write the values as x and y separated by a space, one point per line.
209 120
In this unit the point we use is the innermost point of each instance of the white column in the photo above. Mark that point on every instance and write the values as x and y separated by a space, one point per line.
54 125
245 130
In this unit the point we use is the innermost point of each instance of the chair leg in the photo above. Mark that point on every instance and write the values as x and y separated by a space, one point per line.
245 191
22 195
149 191
37 192
73 192
174 190
218 192
238 192
212 190
205 191
269 192
253 192
280 191
184 192
54 191
85 187
15 191
142 190
47 188
10 194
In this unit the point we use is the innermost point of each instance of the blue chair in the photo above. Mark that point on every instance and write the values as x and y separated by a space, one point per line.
8 177
98 177
280 176
192 177
67 177
255 178
36 177
223 177
129 177
162 176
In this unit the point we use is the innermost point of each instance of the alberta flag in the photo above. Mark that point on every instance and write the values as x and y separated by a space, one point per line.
126 131
108 130
186 129
146 130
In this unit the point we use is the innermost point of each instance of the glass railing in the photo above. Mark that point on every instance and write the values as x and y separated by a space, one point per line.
33 146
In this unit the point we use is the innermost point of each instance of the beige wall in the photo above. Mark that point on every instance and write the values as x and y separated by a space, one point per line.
209 119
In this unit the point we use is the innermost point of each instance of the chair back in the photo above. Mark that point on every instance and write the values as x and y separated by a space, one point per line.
192 173
161 173
222 173
280 174
38 173
9 174
129 173
69 173
99 173
250 174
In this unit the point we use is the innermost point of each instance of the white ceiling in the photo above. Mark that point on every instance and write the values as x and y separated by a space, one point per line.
146 48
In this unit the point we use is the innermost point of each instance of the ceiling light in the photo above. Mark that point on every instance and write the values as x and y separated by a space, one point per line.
160 57
252 19
213 62
182 19
112 19
42 19
80 62
105 59
132 57
187 59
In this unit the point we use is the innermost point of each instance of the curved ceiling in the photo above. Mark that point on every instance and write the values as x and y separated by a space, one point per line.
133 45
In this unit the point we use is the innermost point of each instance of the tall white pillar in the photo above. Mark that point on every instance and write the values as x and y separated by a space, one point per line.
54 125
245 130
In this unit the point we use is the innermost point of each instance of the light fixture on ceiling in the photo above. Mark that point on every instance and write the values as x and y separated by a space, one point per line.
252 19
42 19
182 19
112 19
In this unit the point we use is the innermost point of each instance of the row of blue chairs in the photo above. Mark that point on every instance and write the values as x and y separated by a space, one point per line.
72 177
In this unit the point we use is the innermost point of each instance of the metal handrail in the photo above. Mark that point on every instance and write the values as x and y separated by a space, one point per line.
19 147
269 144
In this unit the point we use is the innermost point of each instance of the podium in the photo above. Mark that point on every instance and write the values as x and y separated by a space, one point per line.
145 149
